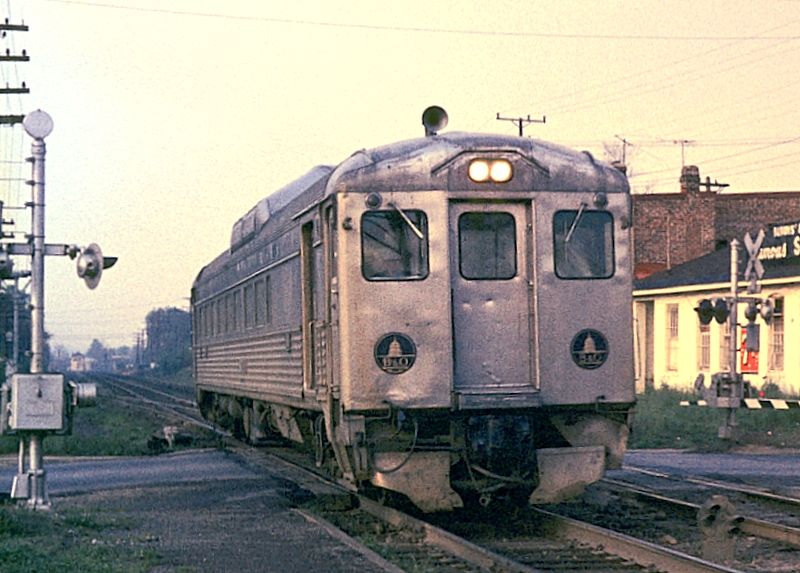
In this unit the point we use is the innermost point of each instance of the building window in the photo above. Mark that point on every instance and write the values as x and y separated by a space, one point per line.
672 337
725 347
776 336
704 347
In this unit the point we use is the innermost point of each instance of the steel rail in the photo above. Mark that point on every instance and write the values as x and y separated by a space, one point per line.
164 407
637 551
749 525
642 552
147 388
745 490
445 540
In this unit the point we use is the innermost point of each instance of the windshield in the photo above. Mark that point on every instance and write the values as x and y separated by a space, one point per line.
583 244
391 245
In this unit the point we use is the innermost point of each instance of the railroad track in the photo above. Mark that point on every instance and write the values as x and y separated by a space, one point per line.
550 542
697 518
762 496
746 524
164 399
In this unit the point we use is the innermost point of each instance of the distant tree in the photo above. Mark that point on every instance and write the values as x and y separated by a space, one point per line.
100 355
169 340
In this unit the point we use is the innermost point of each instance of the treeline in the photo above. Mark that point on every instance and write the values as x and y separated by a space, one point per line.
164 347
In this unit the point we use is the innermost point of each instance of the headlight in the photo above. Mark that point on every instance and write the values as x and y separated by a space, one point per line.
479 171
490 170
501 171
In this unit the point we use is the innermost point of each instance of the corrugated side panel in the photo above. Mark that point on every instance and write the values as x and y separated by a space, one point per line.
271 365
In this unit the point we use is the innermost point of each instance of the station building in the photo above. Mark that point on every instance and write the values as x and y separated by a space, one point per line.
682 255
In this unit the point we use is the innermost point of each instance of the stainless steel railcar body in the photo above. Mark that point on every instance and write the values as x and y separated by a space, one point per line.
444 317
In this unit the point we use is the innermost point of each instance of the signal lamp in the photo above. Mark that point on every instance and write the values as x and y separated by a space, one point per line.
767 309
721 310
751 312
705 311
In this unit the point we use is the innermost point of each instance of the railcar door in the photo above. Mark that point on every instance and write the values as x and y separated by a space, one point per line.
492 304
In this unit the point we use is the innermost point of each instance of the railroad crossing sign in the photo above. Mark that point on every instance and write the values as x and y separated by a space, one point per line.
754 269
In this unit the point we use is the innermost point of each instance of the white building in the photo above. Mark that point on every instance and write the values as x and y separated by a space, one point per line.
672 347
80 363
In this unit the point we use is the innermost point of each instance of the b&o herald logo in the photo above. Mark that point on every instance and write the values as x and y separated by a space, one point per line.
589 349
395 353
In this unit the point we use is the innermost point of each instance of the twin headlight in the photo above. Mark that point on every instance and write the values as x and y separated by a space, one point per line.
490 170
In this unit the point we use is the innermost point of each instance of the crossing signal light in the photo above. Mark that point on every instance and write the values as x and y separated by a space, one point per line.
767 309
705 311
721 310
717 309
751 312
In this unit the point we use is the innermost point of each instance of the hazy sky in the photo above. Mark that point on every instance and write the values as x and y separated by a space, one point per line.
173 118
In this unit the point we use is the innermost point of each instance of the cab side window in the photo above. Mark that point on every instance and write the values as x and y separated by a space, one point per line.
391 247
583 244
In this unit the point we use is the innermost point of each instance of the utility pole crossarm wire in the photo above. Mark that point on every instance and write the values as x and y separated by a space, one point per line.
521 122
683 143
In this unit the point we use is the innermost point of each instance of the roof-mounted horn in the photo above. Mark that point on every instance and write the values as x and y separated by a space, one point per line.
434 118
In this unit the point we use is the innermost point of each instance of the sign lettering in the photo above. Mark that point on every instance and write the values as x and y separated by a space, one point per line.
781 242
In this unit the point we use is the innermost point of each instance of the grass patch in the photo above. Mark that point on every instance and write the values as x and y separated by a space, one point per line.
68 541
113 427
660 422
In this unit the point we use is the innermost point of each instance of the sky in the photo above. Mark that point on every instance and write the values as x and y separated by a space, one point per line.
174 117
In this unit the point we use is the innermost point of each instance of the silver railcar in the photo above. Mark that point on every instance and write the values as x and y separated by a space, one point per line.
448 318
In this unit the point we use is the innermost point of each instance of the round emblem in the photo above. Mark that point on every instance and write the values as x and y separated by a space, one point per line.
395 353
589 349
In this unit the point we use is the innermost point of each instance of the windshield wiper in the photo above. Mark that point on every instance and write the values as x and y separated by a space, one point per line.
408 221
575 222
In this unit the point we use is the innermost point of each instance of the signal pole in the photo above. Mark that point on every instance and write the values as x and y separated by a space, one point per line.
41 403
38 125
521 122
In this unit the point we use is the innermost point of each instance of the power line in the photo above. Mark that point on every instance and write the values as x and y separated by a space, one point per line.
431 30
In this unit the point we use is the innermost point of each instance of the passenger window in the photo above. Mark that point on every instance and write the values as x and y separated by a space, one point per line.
584 244
487 246
391 247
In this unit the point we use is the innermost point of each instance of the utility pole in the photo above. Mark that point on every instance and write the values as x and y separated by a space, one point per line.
625 144
683 143
521 122
708 184
9 57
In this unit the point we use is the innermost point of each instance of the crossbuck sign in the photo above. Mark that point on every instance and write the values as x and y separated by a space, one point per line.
754 269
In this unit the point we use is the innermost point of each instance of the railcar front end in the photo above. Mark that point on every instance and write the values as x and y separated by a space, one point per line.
484 322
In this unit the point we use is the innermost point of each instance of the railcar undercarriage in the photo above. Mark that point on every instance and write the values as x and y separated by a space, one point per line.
441 461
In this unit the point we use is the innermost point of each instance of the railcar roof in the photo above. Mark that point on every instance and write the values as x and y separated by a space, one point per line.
563 169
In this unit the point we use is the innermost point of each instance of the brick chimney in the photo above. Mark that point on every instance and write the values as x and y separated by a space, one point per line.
690 179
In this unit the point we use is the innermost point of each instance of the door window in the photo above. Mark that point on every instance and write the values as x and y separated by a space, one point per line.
487 246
